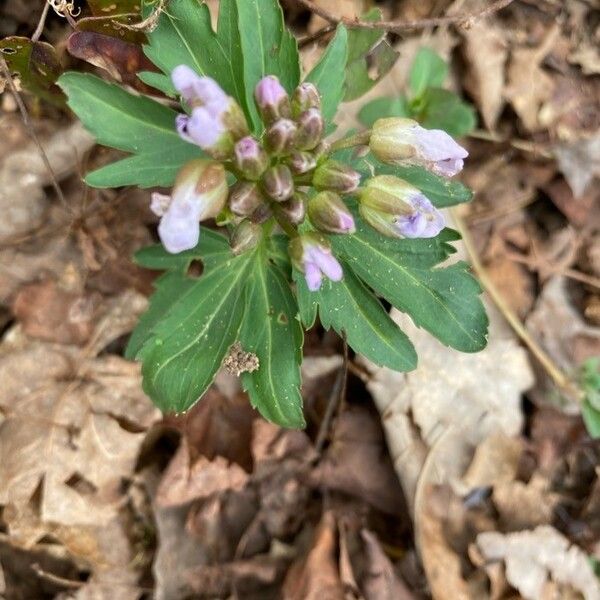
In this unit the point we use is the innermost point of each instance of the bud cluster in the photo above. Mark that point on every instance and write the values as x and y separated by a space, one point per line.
275 173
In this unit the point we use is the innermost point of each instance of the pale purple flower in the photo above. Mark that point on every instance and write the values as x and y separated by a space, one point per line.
250 158
199 193
201 128
318 262
199 90
395 140
311 254
424 222
179 227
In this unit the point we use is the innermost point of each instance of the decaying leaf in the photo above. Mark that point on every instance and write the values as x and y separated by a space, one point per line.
536 559
579 162
435 415
486 52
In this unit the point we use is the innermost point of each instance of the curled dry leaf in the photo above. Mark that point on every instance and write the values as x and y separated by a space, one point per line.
536 559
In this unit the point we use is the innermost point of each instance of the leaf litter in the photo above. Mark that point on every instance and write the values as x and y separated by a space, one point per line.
438 483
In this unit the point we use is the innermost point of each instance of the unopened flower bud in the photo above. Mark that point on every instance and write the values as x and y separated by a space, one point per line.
272 100
245 237
295 208
328 213
244 198
336 176
262 214
250 159
311 254
398 209
278 183
310 129
199 193
280 136
394 140
305 96
301 162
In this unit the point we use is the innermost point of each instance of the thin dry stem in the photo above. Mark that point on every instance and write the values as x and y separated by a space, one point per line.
562 381
405 25
27 122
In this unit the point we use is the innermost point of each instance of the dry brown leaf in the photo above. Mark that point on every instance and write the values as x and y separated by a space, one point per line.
529 85
536 558
514 282
49 312
579 162
486 51
23 175
356 462
558 326
187 479
340 8
317 576
435 415
381 582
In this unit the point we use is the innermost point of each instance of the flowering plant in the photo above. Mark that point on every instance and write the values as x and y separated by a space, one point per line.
306 226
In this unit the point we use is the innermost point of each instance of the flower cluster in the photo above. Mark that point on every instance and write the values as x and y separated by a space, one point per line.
288 176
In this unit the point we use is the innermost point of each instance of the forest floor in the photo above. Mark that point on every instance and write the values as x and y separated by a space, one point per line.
472 477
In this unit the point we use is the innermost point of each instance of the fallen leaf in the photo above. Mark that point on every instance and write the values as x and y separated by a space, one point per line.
317 576
48 312
535 558
529 85
381 582
189 479
435 415
356 462
24 175
486 53
579 162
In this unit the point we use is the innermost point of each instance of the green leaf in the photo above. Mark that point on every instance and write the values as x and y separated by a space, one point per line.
185 348
370 57
381 108
445 301
168 287
268 48
443 109
184 36
356 314
591 419
272 331
131 123
428 70
329 74
308 304
37 66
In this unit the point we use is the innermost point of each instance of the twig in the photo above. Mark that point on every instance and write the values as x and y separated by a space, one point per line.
405 25
570 273
562 381
42 22
313 37
30 130
338 393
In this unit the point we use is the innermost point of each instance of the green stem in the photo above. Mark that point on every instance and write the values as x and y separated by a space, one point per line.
358 139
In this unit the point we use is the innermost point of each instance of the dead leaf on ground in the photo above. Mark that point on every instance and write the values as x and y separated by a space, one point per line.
536 559
529 85
317 576
356 462
486 52
381 581
579 162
